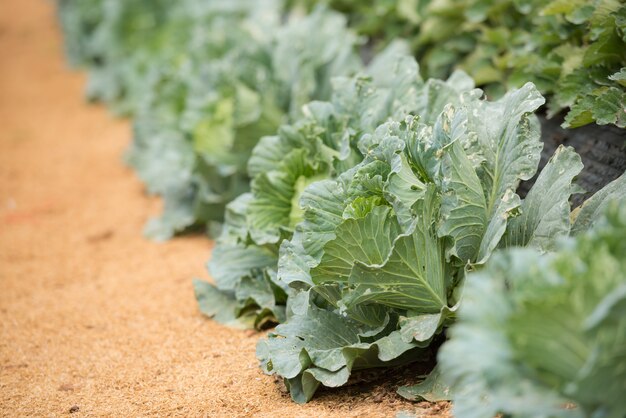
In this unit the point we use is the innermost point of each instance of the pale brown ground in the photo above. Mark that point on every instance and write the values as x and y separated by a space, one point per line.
93 316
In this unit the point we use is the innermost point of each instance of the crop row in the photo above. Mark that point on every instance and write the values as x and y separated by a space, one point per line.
371 212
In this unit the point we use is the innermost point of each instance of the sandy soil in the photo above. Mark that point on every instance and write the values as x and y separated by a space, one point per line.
94 319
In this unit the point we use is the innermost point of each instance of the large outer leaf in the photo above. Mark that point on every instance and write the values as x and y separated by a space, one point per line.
545 212
367 240
414 275
322 347
497 225
464 209
507 136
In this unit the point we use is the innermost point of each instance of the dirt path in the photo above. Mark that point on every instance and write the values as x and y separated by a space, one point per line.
95 320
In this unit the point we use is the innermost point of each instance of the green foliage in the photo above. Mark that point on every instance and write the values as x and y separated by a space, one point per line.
537 332
573 51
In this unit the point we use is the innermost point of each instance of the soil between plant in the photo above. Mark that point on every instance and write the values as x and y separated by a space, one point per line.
94 319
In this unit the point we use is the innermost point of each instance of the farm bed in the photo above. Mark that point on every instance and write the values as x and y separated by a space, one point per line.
97 321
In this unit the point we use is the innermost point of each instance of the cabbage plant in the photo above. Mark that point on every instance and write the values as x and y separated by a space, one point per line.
544 335
378 263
